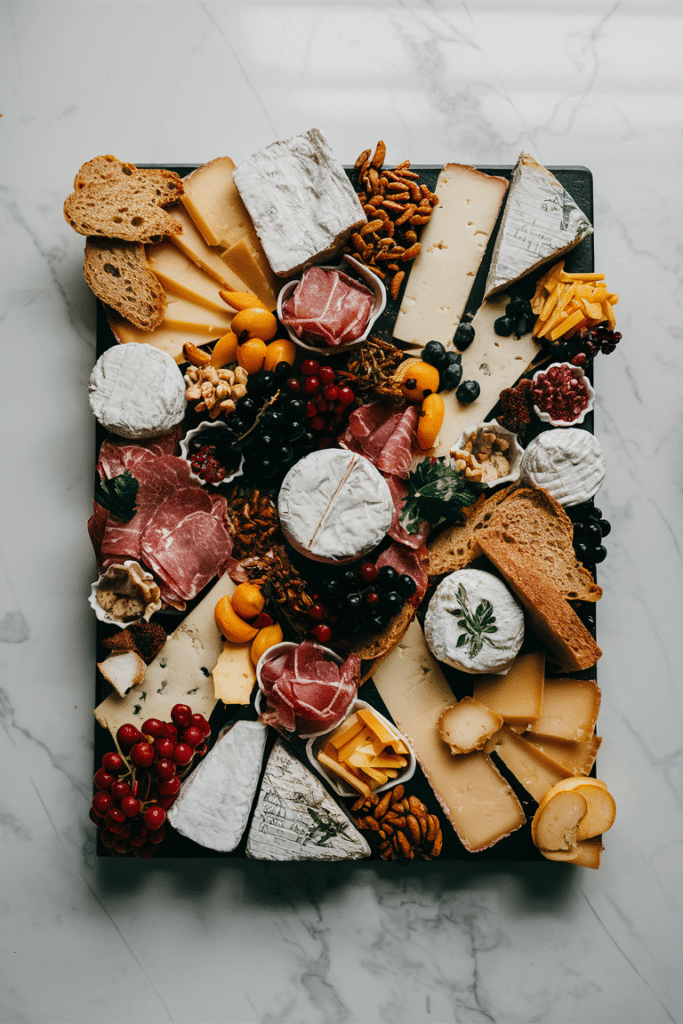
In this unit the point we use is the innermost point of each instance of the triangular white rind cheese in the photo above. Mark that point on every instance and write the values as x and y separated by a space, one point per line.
214 803
296 818
540 222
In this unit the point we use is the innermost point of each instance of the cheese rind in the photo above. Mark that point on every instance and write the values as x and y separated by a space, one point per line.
567 463
453 244
300 200
137 391
296 819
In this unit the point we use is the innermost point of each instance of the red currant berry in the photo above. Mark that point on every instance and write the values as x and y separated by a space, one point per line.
198 719
114 826
113 763
103 780
164 769
311 410
158 836
182 753
331 393
311 386
164 747
317 423
115 815
169 787
120 790
166 801
368 572
121 846
102 802
107 838
181 715
309 367
137 840
327 375
171 731
322 633
372 598
153 727
142 754
154 817
316 612
193 736
321 405
260 622
127 736
130 806
346 395
293 384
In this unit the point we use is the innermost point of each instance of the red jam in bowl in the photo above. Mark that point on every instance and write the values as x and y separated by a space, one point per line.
560 392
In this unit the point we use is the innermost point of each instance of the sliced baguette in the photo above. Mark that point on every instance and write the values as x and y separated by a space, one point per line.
119 275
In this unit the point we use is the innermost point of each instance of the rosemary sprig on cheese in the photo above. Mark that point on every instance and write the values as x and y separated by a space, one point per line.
476 625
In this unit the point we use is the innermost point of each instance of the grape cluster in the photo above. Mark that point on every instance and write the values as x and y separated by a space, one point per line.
284 416
139 782
589 530
518 318
584 346
351 600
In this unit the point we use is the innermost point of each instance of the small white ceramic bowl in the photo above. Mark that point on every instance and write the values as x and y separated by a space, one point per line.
141 585
373 282
338 784
204 428
514 453
275 652
578 371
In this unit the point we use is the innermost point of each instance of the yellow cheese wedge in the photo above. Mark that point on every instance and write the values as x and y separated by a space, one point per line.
188 316
473 794
168 339
570 709
529 766
576 757
191 243
345 732
212 200
253 268
180 276
517 696
234 674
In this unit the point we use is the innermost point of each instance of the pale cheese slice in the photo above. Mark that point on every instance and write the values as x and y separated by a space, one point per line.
517 696
477 801
192 244
234 674
575 756
570 709
495 363
529 766
167 339
212 200
180 673
188 316
181 276
254 269
453 245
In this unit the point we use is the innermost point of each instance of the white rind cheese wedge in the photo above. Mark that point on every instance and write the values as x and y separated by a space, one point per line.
567 463
180 673
541 221
137 391
214 803
300 200
453 245
296 818
474 796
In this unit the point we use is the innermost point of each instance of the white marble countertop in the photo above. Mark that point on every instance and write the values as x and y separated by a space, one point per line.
595 84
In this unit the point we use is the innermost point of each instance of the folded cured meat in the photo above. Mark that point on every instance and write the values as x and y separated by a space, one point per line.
328 307
306 691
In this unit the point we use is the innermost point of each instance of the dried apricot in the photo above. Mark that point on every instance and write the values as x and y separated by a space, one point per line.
225 350
430 420
251 356
233 628
421 380
265 638
282 350
248 601
257 322
241 300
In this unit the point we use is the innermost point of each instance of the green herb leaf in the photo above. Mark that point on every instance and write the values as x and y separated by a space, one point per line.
476 624
118 495
436 492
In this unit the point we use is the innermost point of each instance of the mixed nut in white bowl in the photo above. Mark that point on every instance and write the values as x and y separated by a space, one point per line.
488 454
124 594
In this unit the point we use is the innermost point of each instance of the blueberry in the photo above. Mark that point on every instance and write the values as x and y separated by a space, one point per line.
237 424
406 585
522 326
468 392
504 326
282 369
453 357
354 602
245 407
392 603
387 577
464 336
451 376
293 431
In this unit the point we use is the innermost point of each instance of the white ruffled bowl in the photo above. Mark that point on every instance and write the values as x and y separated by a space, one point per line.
185 453
275 652
579 372
515 451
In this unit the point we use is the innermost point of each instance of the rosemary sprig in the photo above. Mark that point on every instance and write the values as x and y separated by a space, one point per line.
476 625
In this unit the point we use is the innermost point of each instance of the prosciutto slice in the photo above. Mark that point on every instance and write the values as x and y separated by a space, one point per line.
329 307
306 691
383 435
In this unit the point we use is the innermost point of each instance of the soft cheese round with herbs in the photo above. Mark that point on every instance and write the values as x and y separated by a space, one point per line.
334 506
474 623
137 391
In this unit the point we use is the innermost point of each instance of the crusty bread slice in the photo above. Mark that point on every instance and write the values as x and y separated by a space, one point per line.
551 617
119 275
457 545
540 532
116 200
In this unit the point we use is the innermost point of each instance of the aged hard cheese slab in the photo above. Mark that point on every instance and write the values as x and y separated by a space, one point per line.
296 818
189 316
167 339
517 696
576 756
214 203
473 794
180 673
495 363
541 222
205 256
534 771
570 709
453 245
214 803
252 267
181 276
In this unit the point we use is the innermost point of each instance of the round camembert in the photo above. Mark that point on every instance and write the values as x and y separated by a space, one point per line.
137 391
568 464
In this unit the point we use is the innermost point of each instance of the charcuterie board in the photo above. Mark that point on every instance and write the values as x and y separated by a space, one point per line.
319 829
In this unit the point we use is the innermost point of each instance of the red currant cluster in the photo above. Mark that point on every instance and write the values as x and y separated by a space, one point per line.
205 464
326 401
560 392
138 783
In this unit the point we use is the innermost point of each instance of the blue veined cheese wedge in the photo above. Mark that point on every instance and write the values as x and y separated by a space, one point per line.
300 199
296 818
540 222
214 803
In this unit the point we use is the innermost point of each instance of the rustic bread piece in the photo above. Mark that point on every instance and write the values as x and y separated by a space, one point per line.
119 275
550 616
541 533
458 545
126 204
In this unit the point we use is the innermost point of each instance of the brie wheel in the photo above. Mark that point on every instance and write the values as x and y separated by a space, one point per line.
137 391
567 463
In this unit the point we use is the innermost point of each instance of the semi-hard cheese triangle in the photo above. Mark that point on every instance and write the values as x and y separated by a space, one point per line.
540 222
214 803
181 276
180 673
296 818
168 339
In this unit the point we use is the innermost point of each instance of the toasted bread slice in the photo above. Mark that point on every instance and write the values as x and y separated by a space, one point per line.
119 275
109 168
458 545
541 534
